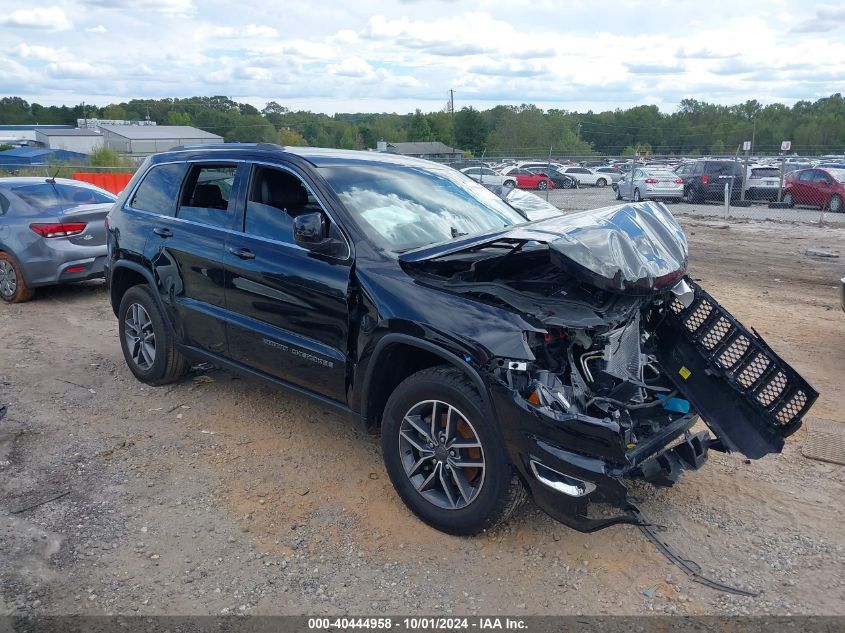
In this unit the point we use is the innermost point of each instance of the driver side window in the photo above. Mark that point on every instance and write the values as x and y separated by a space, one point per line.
274 199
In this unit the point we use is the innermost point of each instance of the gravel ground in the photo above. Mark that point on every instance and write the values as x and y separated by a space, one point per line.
217 495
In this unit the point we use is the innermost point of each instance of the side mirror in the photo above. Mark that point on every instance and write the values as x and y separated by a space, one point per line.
310 228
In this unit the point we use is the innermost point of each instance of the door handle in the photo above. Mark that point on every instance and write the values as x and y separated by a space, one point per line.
162 231
243 253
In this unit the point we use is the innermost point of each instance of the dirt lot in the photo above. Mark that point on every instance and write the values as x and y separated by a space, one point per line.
217 495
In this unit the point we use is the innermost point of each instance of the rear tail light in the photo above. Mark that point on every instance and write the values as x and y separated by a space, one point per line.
58 229
679 181
106 223
651 181
705 180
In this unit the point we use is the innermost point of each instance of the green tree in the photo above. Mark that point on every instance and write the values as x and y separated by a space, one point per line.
420 130
289 137
470 130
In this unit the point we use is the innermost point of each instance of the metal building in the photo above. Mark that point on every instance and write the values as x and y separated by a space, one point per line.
140 140
83 141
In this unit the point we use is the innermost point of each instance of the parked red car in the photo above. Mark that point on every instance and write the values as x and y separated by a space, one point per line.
823 188
529 180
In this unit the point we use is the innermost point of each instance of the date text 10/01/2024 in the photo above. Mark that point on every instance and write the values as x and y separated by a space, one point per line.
415 624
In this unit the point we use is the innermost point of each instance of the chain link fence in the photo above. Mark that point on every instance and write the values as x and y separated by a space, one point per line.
814 183
779 188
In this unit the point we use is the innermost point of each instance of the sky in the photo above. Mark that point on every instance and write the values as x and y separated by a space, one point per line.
377 56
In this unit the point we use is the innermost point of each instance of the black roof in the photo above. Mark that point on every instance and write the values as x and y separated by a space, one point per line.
318 156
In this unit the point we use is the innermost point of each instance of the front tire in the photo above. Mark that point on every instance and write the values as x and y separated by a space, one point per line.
445 456
510 184
835 204
13 288
148 344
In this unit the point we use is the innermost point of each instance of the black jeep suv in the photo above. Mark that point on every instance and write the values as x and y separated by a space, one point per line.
706 179
494 355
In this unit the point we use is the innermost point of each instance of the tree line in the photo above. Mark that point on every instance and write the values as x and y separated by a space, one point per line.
695 128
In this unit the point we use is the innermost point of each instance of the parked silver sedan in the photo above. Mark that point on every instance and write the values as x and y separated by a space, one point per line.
52 231
650 184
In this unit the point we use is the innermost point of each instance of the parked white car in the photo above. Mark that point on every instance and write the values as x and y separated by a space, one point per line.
487 176
650 184
586 176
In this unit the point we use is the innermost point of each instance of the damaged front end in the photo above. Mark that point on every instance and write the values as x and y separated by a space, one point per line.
629 353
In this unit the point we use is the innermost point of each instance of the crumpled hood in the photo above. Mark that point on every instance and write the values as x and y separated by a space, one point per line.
633 248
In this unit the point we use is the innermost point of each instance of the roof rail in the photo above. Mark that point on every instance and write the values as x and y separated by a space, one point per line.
264 146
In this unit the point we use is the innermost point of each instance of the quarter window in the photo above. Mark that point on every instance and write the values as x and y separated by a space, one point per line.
205 198
159 190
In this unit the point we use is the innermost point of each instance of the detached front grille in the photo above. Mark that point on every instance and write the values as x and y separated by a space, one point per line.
765 380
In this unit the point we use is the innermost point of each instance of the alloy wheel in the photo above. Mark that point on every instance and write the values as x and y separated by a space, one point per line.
140 337
8 279
441 454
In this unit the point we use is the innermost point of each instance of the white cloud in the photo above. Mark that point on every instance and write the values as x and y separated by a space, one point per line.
74 70
44 53
372 54
48 19
351 67
176 7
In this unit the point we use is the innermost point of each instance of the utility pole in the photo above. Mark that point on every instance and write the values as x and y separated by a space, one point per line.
451 101
753 134
85 115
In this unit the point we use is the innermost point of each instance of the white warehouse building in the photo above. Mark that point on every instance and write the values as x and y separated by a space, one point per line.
141 140
82 141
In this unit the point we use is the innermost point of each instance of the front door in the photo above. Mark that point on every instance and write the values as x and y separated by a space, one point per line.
289 316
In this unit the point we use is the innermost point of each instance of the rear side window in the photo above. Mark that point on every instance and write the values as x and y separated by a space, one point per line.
806 176
765 172
724 169
159 190
205 197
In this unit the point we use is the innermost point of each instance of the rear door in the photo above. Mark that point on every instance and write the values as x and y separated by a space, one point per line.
186 251
290 316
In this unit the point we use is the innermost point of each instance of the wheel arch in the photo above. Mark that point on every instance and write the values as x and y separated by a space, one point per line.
124 275
397 356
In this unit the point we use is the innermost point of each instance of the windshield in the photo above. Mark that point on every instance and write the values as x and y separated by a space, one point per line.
45 195
402 207
838 174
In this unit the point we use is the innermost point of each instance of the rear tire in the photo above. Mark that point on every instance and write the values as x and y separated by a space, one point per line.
693 196
13 288
789 200
618 194
542 185
510 184
427 480
601 182
637 196
148 345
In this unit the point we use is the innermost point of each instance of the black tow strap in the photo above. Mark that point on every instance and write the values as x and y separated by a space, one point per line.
690 568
